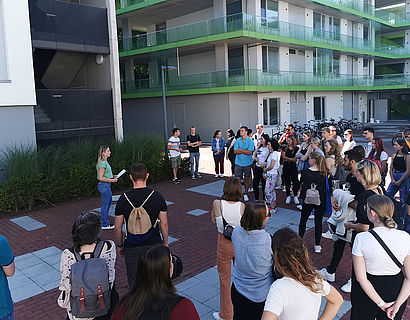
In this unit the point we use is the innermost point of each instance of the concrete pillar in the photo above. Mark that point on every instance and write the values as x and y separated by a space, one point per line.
219 8
358 66
115 70
371 67
284 58
129 69
126 33
283 9
151 36
309 61
343 64
407 39
407 66
407 8
254 57
343 26
308 18
221 56
253 7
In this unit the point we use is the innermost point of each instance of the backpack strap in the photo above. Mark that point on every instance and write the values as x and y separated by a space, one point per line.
125 195
147 198
386 248
98 249
223 219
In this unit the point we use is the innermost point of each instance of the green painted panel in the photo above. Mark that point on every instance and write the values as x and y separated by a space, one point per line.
132 5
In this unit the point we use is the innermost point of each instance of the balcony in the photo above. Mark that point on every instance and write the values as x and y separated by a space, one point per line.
68 26
258 80
245 25
123 6
368 11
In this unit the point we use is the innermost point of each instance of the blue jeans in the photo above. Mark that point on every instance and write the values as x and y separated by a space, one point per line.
403 189
194 156
10 316
106 198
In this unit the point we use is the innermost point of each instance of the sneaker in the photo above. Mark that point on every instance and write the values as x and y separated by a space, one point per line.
175 180
284 189
193 177
217 176
111 226
327 235
178 179
216 316
278 188
288 199
250 189
273 210
329 277
299 207
312 217
296 200
318 249
221 175
245 197
347 287
198 175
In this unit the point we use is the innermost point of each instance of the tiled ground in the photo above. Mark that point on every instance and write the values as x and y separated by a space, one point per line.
28 223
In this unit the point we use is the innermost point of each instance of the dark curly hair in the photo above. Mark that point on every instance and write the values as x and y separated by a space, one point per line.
86 229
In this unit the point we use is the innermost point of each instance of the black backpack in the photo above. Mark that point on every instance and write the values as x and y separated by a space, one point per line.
158 310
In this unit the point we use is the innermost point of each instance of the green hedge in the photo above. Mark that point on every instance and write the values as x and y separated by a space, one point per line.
66 172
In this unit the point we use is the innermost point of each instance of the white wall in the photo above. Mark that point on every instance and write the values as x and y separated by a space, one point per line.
197 63
284 111
17 126
193 17
333 103
296 15
243 110
4 75
20 89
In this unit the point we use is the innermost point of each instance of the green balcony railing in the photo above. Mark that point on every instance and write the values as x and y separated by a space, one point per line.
129 5
279 30
258 78
387 16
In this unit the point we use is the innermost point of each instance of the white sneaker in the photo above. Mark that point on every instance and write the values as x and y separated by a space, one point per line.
284 189
278 188
288 199
330 277
327 235
216 316
299 207
318 249
111 226
296 200
347 287
217 176
312 217
221 175
250 189
245 197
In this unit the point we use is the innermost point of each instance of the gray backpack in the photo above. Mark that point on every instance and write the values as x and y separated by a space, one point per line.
312 195
90 285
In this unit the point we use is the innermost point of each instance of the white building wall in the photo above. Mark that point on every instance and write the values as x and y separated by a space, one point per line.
284 111
243 110
283 11
193 17
333 103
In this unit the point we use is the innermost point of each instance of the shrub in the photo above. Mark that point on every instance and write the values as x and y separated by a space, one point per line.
65 172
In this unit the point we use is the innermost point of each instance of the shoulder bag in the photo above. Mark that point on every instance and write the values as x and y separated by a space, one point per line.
386 248
228 229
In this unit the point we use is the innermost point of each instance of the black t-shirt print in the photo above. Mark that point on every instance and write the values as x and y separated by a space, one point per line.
354 186
193 139
155 204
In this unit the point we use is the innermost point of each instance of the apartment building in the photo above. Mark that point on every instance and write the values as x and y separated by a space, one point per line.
242 62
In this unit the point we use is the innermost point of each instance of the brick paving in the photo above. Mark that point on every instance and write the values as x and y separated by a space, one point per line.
196 244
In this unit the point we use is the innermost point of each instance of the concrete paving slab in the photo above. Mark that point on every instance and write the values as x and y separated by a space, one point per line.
47 252
46 277
209 276
26 291
197 212
202 291
182 286
28 223
26 261
169 203
214 189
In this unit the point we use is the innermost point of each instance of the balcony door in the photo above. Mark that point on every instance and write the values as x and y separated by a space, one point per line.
318 24
271 109
319 106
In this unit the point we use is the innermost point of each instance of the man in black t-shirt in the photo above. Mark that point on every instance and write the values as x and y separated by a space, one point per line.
355 188
134 246
194 141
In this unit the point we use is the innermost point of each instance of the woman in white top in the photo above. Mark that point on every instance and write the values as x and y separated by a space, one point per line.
229 208
86 231
382 286
260 156
380 156
349 143
298 295
271 172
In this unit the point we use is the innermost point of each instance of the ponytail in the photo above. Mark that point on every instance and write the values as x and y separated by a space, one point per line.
320 162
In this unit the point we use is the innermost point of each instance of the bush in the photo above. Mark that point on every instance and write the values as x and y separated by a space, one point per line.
65 172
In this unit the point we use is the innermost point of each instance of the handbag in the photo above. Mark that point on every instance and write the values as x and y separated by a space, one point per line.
264 174
312 196
178 266
386 248
228 229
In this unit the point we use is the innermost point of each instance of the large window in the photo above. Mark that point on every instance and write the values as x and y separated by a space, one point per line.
318 24
269 10
271 111
270 59
3 58
235 60
319 107
334 28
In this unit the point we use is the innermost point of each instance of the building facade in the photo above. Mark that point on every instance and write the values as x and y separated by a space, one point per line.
242 62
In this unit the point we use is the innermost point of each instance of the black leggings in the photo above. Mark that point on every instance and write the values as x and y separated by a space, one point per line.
290 175
258 176
243 308
388 287
306 211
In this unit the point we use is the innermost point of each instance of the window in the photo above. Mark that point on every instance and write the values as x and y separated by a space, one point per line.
270 59
335 64
271 111
319 108
292 51
366 34
269 10
3 58
334 28
318 24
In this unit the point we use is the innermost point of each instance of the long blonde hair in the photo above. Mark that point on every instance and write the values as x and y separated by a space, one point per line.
384 208
335 150
100 158
320 162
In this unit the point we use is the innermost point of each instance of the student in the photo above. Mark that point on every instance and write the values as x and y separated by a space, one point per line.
105 178
154 295
333 135
288 132
298 295
361 150
260 156
7 270
174 147
258 135
86 232
243 150
133 246
326 136
229 208
193 142
252 269
229 144
334 161
382 279
316 174
315 145
304 151
290 171
349 143
271 171
218 151
368 134
380 156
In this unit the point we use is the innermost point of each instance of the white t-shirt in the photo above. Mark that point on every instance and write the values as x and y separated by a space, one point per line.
175 142
261 155
384 156
273 156
339 140
231 213
378 262
348 145
290 300
368 149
